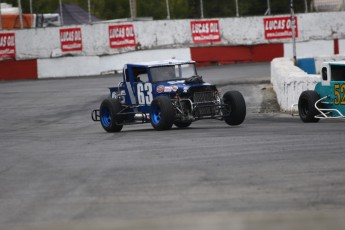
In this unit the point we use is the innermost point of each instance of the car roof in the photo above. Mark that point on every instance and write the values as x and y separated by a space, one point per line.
161 63
336 63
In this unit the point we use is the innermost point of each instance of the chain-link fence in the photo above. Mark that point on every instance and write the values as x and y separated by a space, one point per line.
274 7
240 8
175 9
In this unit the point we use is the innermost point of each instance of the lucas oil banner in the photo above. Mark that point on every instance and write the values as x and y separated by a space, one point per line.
279 27
121 36
71 40
205 31
7 45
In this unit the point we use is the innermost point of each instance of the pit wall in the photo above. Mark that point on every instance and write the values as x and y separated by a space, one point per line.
289 81
242 40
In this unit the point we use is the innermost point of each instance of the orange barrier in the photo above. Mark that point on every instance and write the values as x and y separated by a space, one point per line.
12 21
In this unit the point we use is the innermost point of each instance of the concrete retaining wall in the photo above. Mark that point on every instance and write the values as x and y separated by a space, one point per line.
43 42
289 82
315 48
95 65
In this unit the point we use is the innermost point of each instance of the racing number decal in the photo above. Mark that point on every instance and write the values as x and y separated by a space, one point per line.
142 98
339 93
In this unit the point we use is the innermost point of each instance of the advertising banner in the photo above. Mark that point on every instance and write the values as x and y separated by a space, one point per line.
121 36
279 27
71 39
7 45
205 31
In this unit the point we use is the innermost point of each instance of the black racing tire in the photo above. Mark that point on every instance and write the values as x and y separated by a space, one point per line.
108 115
235 107
306 106
182 124
162 113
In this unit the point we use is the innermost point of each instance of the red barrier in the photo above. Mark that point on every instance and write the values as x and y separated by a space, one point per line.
18 70
220 54
236 54
336 46
267 52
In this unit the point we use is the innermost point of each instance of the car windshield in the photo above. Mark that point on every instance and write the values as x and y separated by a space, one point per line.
172 72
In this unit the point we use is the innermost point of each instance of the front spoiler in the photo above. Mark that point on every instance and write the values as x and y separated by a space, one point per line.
324 113
95 115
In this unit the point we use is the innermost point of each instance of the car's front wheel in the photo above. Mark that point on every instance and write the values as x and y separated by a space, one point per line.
162 113
235 108
306 106
110 121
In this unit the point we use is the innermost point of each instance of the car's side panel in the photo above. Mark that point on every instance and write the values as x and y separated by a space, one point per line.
144 95
336 93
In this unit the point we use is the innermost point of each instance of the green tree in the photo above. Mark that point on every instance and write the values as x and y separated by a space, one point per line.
152 8
179 9
219 8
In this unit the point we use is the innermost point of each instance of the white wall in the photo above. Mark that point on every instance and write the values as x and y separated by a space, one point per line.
309 48
289 82
43 42
95 65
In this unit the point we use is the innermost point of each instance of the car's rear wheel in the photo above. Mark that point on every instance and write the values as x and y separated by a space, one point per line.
235 108
110 121
306 106
162 113
182 124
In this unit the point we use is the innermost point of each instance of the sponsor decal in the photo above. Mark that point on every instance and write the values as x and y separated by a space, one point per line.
175 88
175 82
185 89
7 45
279 27
71 39
205 31
160 89
167 89
121 36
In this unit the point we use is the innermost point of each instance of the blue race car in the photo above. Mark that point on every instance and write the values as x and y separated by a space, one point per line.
166 93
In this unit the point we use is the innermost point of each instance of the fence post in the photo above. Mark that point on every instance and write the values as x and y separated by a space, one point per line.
237 12
293 32
20 14
89 8
201 9
61 14
268 11
31 10
168 9
0 17
305 6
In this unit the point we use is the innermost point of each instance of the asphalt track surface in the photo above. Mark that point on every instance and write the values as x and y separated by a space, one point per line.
60 170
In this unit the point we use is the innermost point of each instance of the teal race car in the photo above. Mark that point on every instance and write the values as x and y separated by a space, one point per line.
327 100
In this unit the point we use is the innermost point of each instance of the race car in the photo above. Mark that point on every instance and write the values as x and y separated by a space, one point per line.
166 93
327 100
